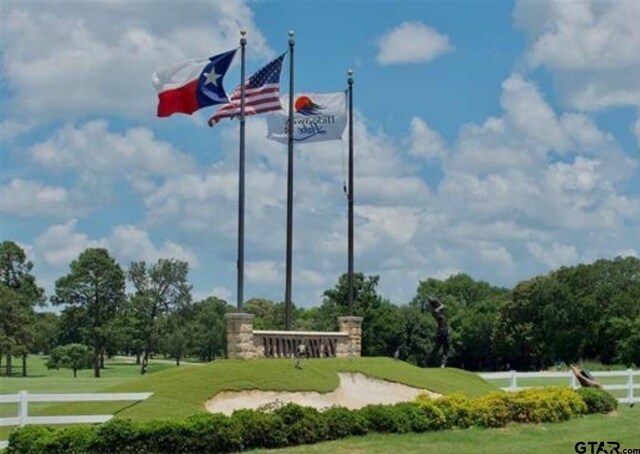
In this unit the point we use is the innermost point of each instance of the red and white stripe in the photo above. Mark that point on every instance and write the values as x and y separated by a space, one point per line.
257 100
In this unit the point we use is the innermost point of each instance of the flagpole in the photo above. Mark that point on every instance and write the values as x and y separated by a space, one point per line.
350 198
240 263
287 293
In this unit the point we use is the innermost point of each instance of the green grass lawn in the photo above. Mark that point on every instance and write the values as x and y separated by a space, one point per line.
622 426
182 391
43 380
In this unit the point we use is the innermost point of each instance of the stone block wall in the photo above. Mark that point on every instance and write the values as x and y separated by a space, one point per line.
240 336
243 344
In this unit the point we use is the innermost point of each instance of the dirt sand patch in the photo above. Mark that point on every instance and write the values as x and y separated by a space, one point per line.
355 391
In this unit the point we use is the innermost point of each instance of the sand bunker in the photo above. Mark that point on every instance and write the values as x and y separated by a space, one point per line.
355 391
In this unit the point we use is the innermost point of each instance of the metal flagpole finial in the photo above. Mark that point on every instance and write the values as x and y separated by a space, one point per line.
243 40
350 74
291 37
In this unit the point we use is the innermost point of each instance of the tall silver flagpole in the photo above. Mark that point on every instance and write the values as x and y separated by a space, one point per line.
240 263
287 293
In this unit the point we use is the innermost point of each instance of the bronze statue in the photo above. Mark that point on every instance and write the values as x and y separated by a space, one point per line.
437 309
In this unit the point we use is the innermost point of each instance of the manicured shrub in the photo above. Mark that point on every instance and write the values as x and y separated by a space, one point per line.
458 411
215 433
73 440
545 405
260 429
435 417
304 425
292 424
385 418
29 440
415 416
117 436
598 400
492 410
161 436
343 423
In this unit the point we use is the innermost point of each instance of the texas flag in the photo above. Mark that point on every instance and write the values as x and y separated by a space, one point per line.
192 85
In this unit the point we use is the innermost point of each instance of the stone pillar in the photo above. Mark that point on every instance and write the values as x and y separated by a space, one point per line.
240 336
352 326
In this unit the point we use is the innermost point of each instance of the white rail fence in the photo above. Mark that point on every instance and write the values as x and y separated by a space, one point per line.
513 377
23 398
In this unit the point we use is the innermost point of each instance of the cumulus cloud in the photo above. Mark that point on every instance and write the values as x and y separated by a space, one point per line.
411 42
591 47
98 57
12 128
521 193
92 147
424 141
27 198
60 244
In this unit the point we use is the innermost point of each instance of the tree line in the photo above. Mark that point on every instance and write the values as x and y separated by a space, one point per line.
589 311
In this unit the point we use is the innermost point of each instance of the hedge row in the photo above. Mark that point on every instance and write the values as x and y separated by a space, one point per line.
291 424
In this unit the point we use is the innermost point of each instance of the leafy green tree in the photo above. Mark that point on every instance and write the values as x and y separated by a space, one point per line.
46 332
22 296
628 346
472 308
209 328
96 285
161 289
262 309
71 356
382 324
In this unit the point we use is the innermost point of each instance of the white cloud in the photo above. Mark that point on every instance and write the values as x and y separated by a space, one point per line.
515 187
425 142
130 243
411 42
553 255
91 147
11 128
591 47
28 198
98 57
60 244
636 129
263 272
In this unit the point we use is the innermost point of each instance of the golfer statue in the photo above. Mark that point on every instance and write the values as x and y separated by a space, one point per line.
442 335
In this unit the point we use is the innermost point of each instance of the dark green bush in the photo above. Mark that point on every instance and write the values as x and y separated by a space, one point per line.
598 400
386 418
215 433
303 425
415 416
117 436
161 436
29 440
343 423
260 429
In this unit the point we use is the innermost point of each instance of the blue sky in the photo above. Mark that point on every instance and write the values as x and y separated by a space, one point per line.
500 139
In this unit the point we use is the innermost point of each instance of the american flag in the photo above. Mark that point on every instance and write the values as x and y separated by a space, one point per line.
261 93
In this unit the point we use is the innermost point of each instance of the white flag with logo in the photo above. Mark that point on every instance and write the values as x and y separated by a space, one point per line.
317 117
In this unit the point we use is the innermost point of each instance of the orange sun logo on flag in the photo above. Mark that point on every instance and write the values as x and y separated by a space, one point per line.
305 106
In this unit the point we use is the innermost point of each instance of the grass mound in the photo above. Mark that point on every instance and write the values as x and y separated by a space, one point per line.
180 392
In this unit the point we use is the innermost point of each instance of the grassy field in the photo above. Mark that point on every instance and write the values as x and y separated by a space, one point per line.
622 426
182 391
